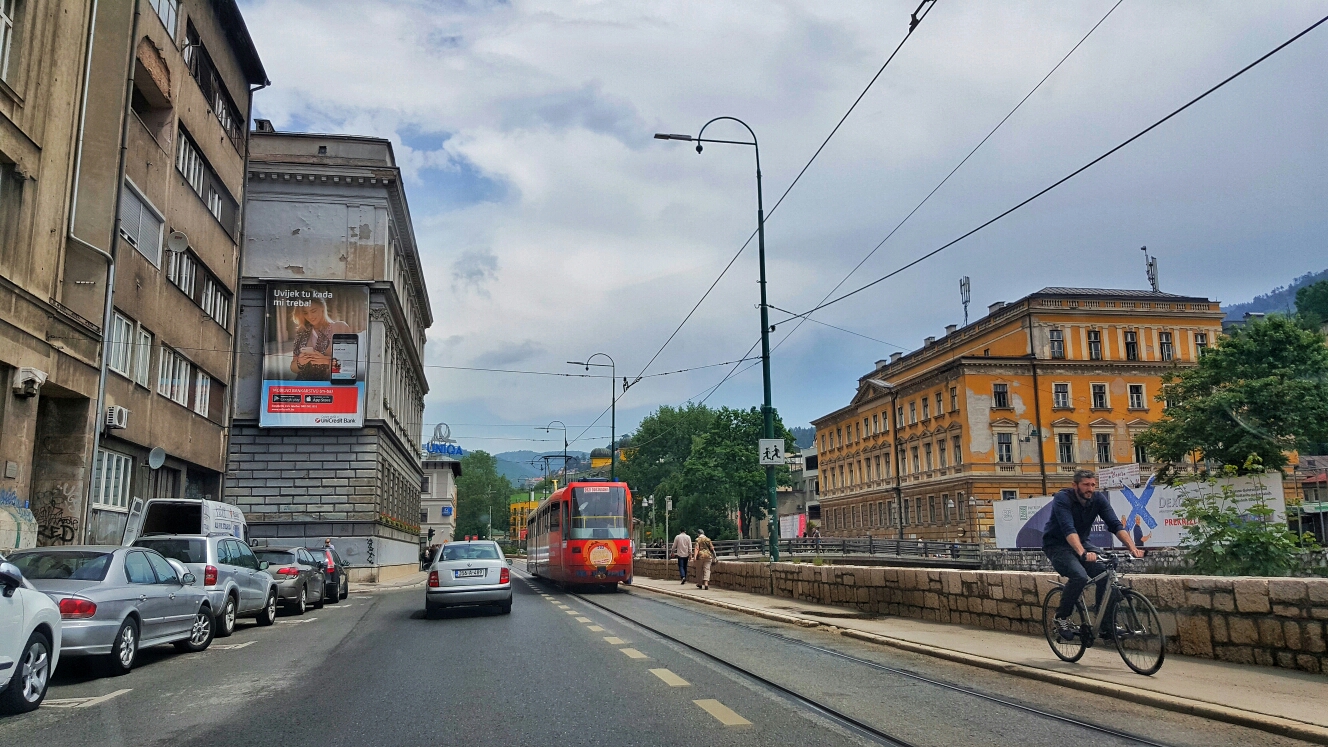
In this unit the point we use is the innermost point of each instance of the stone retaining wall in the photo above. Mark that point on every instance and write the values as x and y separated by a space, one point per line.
1269 621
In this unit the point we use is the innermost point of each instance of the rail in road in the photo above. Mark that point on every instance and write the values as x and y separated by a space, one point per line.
963 552
856 725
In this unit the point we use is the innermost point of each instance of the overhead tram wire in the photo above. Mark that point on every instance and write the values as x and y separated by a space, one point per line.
942 183
914 20
1063 179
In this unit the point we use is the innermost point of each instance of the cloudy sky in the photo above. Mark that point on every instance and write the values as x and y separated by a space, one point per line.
553 226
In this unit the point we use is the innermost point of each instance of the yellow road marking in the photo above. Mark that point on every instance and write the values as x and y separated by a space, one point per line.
583 619
670 679
722 713
633 653
595 628
614 640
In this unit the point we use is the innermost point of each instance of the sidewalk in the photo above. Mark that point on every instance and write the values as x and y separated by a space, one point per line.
404 582
1290 703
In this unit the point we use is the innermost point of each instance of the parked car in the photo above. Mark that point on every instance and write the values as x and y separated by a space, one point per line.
237 582
474 572
336 586
29 641
300 579
116 600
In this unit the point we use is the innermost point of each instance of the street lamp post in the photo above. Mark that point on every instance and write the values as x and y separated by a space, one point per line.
613 407
562 425
767 410
899 491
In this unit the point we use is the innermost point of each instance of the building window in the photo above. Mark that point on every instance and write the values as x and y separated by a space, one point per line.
958 455
876 424
1000 396
857 516
866 427
1009 495
190 164
1140 454
899 418
1164 342
168 11
1094 345
823 440
424 484
926 453
905 513
1065 448
120 346
1005 448
1057 343
140 224
214 91
1060 396
894 516
1131 346
1136 396
1099 396
868 469
917 466
424 515
859 429
182 270
1200 343
202 393
912 413
885 464
143 353
938 405
173 376
926 409
839 437
840 479
216 302
6 35
931 509
945 507
940 445
1103 447
954 399
111 477
959 505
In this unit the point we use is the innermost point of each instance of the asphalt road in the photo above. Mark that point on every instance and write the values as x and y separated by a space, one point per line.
373 671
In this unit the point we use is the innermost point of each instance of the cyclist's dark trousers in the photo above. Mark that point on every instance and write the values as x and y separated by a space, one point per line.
682 567
1068 565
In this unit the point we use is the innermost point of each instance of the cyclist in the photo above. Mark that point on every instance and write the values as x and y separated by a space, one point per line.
1073 512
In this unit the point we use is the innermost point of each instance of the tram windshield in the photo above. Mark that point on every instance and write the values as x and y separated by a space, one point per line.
599 512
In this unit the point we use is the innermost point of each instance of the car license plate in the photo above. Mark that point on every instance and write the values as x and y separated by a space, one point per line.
470 573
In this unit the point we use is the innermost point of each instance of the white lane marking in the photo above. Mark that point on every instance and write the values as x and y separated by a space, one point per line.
633 653
296 622
595 628
583 619
670 679
614 640
722 713
82 702
231 646
572 612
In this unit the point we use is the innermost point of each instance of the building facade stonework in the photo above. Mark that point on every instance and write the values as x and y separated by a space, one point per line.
1007 407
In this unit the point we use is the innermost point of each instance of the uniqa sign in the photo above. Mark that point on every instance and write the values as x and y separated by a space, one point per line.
444 449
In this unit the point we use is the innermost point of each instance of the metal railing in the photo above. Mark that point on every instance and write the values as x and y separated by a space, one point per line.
839 546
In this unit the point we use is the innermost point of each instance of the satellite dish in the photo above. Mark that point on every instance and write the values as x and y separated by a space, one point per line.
177 242
157 456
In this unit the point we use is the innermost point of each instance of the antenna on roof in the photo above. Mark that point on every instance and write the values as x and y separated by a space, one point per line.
963 296
1150 264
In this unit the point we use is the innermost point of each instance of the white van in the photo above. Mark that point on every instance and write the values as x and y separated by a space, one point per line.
184 516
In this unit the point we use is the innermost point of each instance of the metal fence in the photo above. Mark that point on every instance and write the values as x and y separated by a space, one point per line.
838 546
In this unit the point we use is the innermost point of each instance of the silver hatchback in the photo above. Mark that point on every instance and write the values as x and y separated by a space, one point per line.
464 573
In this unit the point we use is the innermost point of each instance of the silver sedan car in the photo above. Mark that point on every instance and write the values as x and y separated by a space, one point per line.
116 600
464 573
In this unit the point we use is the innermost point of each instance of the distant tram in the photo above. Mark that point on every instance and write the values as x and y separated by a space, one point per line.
580 535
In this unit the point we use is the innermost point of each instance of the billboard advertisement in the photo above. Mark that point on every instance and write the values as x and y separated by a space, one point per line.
1151 513
315 355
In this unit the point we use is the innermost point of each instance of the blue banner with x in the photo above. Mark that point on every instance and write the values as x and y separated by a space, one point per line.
1139 505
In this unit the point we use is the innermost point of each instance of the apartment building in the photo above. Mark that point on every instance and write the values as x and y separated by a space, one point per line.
171 330
438 494
329 400
1006 407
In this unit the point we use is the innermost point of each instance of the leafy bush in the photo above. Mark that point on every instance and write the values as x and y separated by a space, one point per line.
1228 539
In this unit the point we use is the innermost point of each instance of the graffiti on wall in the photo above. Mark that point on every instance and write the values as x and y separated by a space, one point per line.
8 498
56 510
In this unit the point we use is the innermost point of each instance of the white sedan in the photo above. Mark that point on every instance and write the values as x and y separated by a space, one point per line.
465 573
29 641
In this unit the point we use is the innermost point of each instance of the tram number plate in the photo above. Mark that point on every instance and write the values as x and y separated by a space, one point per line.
469 573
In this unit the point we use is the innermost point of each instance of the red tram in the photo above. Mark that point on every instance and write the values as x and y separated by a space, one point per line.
581 535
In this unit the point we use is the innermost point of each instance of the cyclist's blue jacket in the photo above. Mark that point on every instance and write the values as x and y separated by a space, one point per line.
1069 515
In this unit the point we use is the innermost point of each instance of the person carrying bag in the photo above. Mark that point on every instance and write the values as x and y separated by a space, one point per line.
704 555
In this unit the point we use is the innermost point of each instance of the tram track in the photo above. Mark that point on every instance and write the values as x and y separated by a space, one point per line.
853 724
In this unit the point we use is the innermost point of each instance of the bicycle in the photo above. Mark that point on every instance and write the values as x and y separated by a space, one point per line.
1137 629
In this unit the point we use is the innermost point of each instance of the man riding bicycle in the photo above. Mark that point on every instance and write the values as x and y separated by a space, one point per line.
1073 512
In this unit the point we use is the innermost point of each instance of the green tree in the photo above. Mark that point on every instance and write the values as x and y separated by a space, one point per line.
1312 305
1262 391
723 472
661 445
1226 539
480 488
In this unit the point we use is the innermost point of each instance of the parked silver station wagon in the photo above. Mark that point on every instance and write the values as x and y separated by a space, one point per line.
236 581
464 573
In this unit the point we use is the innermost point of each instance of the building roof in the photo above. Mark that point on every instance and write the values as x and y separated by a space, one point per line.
237 33
1111 293
441 463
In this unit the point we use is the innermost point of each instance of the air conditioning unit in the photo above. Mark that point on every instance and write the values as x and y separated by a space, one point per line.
117 417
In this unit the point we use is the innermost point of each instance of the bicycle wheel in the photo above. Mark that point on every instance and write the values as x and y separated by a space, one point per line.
1069 648
1139 636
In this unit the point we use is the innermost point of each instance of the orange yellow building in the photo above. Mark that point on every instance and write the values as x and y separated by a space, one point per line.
1007 407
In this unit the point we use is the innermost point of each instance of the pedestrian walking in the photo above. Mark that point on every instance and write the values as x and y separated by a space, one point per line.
682 550
704 554
816 538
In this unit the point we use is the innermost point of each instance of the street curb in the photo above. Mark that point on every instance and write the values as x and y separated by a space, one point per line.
1226 714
